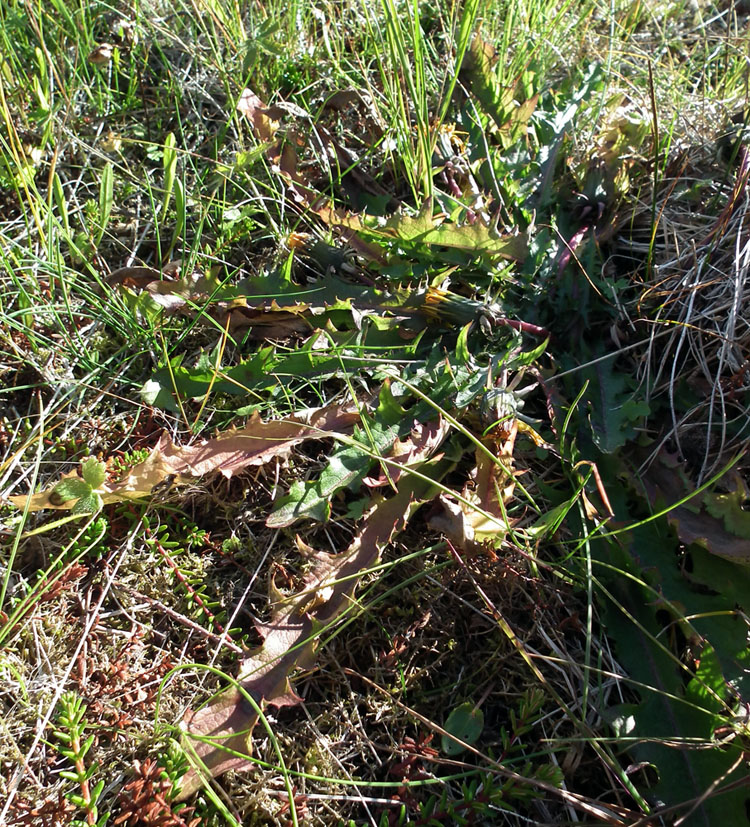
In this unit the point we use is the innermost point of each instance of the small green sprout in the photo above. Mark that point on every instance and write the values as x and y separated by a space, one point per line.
84 490
70 727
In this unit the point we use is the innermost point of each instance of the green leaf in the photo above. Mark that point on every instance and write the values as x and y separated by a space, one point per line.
71 488
94 472
708 682
665 716
69 774
528 357
303 500
611 409
155 393
500 102
682 692
479 238
548 523
90 504
180 203
462 344
347 466
61 204
357 508
466 723
389 408
730 508
472 389
106 199
346 469
266 369
169 160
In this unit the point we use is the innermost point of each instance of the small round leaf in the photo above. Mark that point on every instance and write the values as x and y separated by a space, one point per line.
465 723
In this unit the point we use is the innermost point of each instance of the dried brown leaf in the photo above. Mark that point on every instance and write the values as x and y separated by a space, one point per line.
260 116
481 517
265 318
343 99
401 455
229 453
102 54
714 521
290 638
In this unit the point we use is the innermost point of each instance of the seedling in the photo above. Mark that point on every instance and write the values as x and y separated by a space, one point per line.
71 723
84 490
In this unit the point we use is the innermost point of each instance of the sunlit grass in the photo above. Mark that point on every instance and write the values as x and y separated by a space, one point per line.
122 147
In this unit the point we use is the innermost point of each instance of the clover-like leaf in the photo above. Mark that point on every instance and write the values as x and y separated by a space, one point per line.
90 504
71 488
94 471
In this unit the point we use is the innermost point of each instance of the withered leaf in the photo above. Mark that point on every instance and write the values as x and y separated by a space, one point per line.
260 116
102 54
290 637
427 228
229 453
266 318
401 454
492 489
714 521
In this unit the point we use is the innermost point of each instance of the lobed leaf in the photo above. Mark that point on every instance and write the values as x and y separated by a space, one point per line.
685 694
94 472
715 521
290 637
71 488
229 453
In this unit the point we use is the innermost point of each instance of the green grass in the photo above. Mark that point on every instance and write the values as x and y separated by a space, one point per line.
522 220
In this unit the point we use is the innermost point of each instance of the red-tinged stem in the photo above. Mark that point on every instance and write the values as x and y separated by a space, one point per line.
524 327
188 588
75 743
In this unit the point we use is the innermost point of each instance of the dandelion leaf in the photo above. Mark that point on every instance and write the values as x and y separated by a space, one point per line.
429 229
499 102
346 468
612 412
290 638
685 649
713 520
671 721
229 453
